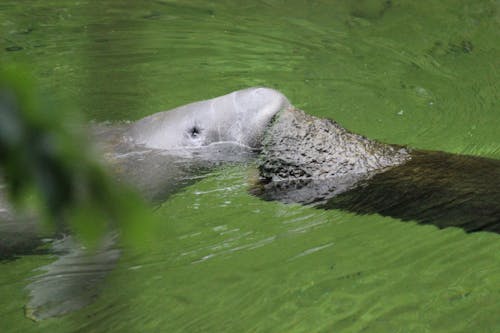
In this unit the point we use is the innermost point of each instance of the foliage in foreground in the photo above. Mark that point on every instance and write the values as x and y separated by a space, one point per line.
45 165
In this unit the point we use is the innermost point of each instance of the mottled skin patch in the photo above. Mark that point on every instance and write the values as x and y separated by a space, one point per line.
300 146
306 159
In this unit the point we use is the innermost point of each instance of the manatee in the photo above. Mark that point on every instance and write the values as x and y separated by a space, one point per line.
316 161
158 155
168 150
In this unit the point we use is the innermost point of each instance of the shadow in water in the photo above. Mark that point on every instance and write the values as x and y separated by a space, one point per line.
438 188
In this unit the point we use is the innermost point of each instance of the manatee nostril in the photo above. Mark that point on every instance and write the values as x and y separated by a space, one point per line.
194 131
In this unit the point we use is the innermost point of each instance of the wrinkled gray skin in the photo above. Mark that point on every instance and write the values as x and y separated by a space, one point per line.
158 155
306 159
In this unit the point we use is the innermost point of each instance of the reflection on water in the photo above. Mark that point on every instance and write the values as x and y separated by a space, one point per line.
422 74
436 188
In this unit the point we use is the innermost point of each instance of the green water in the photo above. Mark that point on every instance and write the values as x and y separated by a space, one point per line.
422 73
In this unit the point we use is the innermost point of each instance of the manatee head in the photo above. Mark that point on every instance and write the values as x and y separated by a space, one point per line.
240 117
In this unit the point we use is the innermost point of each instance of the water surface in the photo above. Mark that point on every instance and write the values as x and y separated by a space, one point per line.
420 73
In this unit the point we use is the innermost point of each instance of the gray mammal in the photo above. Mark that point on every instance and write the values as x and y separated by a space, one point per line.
171 149
315 161
158 155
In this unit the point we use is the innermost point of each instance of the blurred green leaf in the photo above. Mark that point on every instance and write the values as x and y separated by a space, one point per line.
44 163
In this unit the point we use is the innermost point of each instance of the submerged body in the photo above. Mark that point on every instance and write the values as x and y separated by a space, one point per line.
163 152
157 155
315 161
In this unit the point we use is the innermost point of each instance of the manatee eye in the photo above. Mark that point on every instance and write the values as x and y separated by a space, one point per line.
194 131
